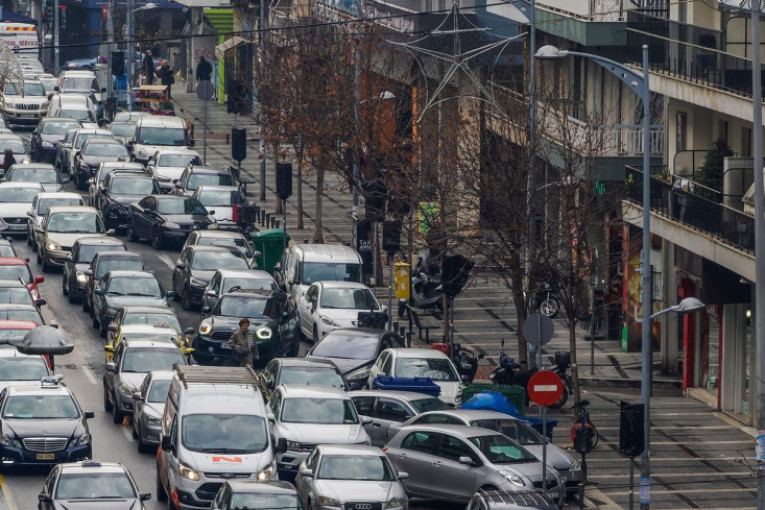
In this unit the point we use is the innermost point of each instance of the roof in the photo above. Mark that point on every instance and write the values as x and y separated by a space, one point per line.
244 273
160 121
404 395
329 284
180 150
459 430
58 194
143 343
99 240
216 188
207 170
21 184
270 487
324 251
72 209
215 375
146 329
119 255
12 261
407 352
78 72
474 414
148 309
199 247
309 391
126 273
351 450
300 362
162 375
220 234
73 98
39 390
361 332
92 465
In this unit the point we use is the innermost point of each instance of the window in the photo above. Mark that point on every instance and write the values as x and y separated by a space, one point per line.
387 365
452 448
439 419
387 409
425 442
364 405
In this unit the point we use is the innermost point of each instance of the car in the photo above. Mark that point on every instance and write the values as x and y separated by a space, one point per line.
330 305
16 292
7 249
129 116
305 416
81 64
350 476
37 173
16 144
536 499
223 200
18 369
135 315
79 138
194 176
72 106
15 268
165 219
152 332
354 350
453 462
234 495
88 482
47 135
82 82
104 262
167 165
60 228
92 153
48 82
222 238
430 363
316 372
96 184
197 265
15 200
22 102
157 132
149 406
272 320
61 157
42 424
568 469
40 205
75 279
388 410
123 131
120 288
226 280
26 312
119 191
133 359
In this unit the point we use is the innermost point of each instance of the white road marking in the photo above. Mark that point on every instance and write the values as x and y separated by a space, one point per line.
5 495
90 376
166 260
127 431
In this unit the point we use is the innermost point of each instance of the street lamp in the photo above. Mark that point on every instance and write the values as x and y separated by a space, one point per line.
687 305
638 82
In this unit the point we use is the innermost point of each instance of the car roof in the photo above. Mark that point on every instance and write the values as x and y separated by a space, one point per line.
350 450
91 465
99 240
219 234
269 487
200 247
127 273
160 121
459 430
102 140
473 414
163 152
142 343
60 119
216 188
258 293
146 329
21 184
14 353
73 99
122 164
72 208
162 375
408 352
41 389
148 309
308 391
207 170
12 261
94 131
300 362
119 255
244 273
361 332
328 284
403 395
58 194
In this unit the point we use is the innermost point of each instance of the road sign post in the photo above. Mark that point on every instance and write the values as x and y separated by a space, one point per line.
545 389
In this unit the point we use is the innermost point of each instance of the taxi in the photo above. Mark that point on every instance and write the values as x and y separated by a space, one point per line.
156 333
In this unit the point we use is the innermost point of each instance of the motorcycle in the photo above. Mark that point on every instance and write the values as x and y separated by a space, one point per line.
562 364
546 301
464 359
427 290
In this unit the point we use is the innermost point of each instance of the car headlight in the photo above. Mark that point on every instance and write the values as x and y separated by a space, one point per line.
6 440
83 439
326 320
266 474
205 328
263 333
47 145
53 246
396 503
81 277
512 478
212 226
358 375
170 225
186 472
294 446
125 389
152 420
325 501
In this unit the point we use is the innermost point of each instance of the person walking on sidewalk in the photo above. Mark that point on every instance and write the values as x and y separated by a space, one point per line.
148 68
204 70
166 75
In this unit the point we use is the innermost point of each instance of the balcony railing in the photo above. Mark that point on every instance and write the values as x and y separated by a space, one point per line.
678 199
627 139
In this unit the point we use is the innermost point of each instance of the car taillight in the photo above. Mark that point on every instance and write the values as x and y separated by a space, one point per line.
385 448
235 213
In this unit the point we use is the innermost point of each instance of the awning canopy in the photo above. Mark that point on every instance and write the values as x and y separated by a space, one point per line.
228 44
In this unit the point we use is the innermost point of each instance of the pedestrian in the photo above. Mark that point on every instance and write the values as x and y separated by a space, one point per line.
243 343
8 159
148 67
166 75
204 69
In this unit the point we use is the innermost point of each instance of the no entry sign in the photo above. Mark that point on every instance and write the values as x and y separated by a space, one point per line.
545 388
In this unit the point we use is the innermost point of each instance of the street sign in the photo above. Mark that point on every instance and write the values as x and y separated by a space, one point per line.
205 90
545 388
538 329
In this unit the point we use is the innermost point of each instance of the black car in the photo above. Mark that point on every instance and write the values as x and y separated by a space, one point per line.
42 425
195 176
273 321
104 262
354 350
316 371
94 152
162 218
47 135
75 279
272 494
119 191
197 265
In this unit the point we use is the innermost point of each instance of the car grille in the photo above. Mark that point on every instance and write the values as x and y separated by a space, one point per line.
45 444
15 221
207 491
550 484
363 506
27 107
221 335
227 476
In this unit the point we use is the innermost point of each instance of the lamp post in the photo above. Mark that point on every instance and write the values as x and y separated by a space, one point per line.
638 82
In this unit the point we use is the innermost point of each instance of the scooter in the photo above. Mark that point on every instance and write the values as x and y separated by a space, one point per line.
427 290
464 359
562 364
511 372
546 300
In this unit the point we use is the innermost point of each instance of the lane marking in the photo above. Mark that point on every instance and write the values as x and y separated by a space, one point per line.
5 494
90 376
127 431
165 259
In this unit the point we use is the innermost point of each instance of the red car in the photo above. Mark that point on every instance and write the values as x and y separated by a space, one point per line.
13 268
16 330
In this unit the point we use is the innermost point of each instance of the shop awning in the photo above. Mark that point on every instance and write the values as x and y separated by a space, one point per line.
228 44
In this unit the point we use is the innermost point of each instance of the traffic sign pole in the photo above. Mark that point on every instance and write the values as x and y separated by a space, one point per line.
545 388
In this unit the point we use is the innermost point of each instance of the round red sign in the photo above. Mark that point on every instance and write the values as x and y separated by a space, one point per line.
545 388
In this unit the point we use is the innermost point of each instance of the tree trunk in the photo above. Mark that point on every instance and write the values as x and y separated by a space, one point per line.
299 186
318 237
574 367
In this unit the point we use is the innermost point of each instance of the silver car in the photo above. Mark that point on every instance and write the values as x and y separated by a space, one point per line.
569 470
224 280
352 476
453 462
149 406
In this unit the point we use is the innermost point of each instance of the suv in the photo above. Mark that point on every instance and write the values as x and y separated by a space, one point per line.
195 176
84 83
224 281
167 165
97 183
158 132
119 191
22 103
72 106
75 280
78 139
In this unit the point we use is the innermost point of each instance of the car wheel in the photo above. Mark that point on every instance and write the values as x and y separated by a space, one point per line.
186 298
295 349
161 494
39 258
176 297
29 239
131 233
45 267
117 416
107 404
157 242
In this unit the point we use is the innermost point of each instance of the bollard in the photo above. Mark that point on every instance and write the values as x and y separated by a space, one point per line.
409 338
276 224
273 221
227 138
401 331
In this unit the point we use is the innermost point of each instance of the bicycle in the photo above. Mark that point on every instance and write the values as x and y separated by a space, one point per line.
583 431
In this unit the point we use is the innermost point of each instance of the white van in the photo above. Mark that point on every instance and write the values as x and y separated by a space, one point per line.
155 132
303 264
215 427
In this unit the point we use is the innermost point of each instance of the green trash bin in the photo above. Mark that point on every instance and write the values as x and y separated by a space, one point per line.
516 394
270 243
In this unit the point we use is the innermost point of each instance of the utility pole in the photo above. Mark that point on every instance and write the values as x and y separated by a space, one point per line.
56 30
262 71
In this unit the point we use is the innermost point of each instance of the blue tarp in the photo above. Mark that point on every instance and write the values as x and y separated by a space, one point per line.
494 401
15 17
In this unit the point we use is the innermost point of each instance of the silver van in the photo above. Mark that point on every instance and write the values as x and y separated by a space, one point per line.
155 132
215 426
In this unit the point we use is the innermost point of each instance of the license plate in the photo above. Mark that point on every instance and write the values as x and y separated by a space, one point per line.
224 345
46 456
27 116
17 227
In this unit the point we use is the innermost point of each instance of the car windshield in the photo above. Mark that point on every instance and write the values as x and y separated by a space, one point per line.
88 251
174 137
33 88
212 260
514 429
17 146
15 272
220 198
43 175
326 411
224 433
6 250
152 319
321 376
347 347
76 223
158 391
15 295
105 149
94 486
234 242
58 127
179 160
424 405
322 271
248 283
148 360
266 500
349 299
83 137
221 179
76 114
21 315
438 369
12 334
32 368
10 90
46 203
246 306
25 195
126 263
77 83
24 407
499 449
132 286
345 467
184 206
132 186
103 172
123 129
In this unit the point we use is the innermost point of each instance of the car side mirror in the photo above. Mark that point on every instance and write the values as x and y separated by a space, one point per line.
270 385
110 367
210 293
56 89
277 267
39 278
137 396
103 89
466 461
89 414
30 213
305 472
98 291
402 475
170 293
110 232
166 444
206 310
44 498
178 185
41 302
89 272
180 266
281 445
366 420
145 496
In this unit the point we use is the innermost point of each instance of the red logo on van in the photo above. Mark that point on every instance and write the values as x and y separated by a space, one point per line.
227 459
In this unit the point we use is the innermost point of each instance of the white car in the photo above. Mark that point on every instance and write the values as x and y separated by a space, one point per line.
15 201
429 363
167 165
40 205
330 305
221 199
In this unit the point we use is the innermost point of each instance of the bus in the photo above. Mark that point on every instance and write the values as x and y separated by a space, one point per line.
20 37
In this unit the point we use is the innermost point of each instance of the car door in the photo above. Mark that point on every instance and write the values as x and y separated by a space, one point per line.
111 376
48 487
68 271
210 295
144 215
376 368
138 404
307 308
416 455
98 299
365 407
387 412
450 478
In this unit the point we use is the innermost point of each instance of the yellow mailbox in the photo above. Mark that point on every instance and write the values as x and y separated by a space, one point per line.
401 280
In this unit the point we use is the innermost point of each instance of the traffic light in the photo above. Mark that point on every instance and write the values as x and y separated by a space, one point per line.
238 143
118 63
